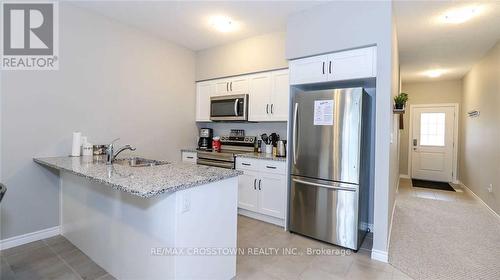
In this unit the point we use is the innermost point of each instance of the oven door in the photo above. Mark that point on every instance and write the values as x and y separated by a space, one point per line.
229 108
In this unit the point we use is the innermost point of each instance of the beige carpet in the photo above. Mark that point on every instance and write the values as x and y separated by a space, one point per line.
444 235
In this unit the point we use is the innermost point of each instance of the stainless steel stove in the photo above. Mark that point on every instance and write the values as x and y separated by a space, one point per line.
230 147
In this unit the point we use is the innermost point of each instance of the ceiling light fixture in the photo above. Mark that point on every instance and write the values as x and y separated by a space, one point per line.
436 73
223 24
461 15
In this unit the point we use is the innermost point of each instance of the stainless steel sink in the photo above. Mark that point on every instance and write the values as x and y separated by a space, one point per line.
139 162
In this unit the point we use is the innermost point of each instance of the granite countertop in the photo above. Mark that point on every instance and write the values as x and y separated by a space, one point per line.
261 156
144 182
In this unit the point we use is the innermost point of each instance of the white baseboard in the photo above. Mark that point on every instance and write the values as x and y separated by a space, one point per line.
478 198
29 237
404 176
381 256
262 217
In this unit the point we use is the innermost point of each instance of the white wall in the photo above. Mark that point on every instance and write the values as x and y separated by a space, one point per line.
113 81
345 25
429 92
479 149
259 53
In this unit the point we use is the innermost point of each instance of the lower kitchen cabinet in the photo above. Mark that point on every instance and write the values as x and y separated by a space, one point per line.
262 189
248 196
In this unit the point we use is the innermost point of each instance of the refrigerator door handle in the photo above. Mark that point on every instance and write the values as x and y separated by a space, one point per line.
341 188
294 137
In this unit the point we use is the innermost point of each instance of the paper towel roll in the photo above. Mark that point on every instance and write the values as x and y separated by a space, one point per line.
77 143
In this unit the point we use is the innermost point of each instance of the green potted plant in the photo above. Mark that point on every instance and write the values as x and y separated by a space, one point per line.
400 101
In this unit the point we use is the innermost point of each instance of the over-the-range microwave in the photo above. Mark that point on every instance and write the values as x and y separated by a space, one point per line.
229 107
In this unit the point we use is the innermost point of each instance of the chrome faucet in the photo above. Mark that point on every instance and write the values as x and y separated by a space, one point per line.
111 155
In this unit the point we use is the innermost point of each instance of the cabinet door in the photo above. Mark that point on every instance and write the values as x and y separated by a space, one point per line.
204 90
280 96
272 192
238 85
248 194
354 64
259 97
222 87
309 70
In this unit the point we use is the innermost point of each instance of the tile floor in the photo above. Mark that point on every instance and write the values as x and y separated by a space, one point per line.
57 258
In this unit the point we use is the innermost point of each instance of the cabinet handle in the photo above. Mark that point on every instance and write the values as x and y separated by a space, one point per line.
254 182
272 108
259 184
330 67
270 167
190 157
267 108
245 164
227 86
323 67
231 86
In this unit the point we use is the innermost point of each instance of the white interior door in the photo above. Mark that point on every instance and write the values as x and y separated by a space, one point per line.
432 143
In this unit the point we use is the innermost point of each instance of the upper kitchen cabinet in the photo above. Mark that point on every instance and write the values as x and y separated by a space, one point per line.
236 85
346 65
269 94
204 90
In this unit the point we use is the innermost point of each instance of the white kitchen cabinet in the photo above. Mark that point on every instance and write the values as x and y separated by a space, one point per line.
280 96
235 85
309 70
261 86
272 190
248 197
269 95
204 90
346 65
354 64
262 189
189 157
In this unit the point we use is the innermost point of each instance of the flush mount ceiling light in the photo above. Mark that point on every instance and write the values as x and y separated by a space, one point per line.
435 73
223 24
461 15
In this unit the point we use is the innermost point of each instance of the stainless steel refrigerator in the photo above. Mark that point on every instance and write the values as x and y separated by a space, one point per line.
329 165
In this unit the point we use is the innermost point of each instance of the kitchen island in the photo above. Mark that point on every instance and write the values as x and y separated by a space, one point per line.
170 221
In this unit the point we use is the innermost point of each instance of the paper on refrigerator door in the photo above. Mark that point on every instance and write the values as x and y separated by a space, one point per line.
323 112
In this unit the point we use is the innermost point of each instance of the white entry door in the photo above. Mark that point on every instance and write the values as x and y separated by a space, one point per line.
432 143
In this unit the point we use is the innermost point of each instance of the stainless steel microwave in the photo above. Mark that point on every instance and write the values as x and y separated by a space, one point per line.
229 107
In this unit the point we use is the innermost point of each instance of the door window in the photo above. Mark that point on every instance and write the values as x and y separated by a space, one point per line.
432 129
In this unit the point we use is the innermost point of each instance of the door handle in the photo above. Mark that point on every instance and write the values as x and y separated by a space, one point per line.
338 187
267 108
294 137
323 67
236 107
254 183
260 181
414 142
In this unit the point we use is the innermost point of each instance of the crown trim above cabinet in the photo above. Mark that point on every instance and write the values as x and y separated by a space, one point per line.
268 94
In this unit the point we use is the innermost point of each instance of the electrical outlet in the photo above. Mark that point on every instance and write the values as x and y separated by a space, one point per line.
186 202
490 188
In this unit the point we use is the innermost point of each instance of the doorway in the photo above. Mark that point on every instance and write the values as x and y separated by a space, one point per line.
433 143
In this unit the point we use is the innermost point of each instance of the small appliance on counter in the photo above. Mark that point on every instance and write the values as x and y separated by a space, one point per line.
281 148
205 140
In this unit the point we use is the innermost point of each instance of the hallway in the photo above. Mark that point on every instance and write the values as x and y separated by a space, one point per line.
443 235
